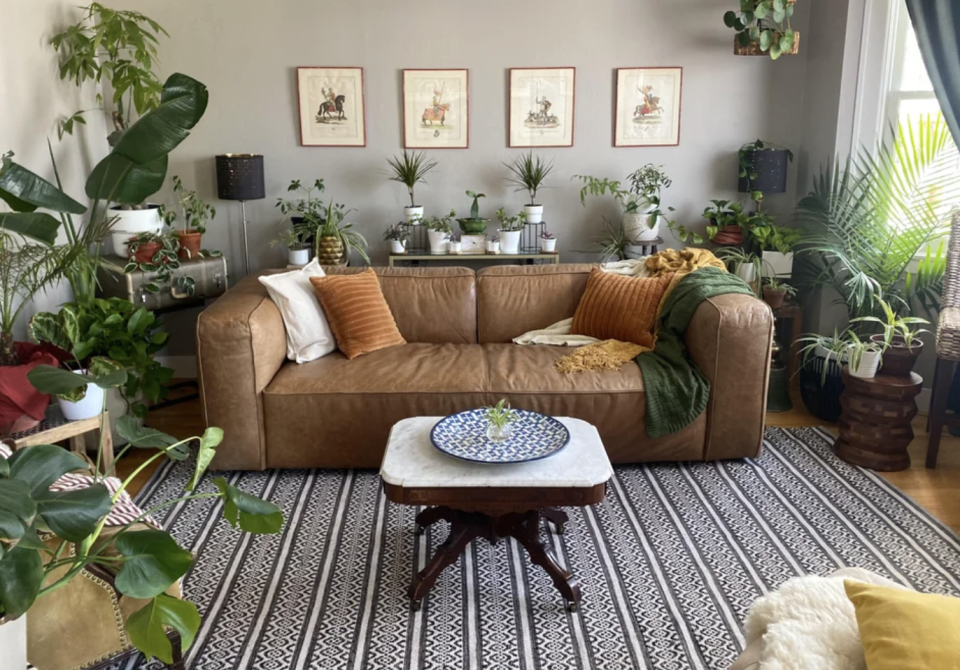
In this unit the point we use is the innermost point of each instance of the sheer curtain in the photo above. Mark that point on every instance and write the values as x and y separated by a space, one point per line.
937 25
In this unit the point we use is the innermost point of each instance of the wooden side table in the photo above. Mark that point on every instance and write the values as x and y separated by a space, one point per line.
875 426
54 428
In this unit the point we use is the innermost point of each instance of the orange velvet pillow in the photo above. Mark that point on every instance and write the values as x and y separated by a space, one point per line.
358 314
617 307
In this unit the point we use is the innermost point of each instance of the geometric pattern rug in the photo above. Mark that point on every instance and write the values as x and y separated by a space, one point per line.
669 564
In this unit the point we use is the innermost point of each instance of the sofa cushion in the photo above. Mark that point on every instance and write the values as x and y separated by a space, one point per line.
616 307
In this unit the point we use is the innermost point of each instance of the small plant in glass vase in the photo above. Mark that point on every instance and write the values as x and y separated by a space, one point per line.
411 169
196 213
397 235
528 173
438 232
548 242
499 419
511 228
156 254
901 342
763 27
475 225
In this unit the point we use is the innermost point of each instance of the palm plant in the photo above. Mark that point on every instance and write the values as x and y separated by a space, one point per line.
529 172
870 217
410 169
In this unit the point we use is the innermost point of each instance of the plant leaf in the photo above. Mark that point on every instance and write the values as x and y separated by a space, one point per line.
74 515
153 561
38 226
21 575
140 436
252 514
42 465
25 191
211 438
48 379
146 626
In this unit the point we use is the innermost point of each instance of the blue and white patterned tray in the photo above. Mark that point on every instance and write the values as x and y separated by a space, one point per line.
464 436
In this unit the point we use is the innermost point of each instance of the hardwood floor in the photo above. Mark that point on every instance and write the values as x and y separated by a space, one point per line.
936 490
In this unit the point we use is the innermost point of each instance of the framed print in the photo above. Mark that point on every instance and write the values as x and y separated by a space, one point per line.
648 107
331 107
542 105
436 109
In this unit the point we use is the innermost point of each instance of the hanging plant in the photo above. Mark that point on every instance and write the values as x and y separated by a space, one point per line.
763 27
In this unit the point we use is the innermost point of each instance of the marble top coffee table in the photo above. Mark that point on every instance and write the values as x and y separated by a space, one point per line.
493 500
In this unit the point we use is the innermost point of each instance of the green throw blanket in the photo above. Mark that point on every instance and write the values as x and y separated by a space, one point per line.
676 390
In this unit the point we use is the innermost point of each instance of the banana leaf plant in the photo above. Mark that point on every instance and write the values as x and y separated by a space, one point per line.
47 537
134 169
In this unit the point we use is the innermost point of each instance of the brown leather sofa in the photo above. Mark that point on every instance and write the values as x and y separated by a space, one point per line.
335 413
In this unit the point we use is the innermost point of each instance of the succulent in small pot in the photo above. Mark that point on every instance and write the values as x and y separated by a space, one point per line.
511 228
499 419
196 213
474 225
411 169
776 291
397 236
528 173
438 232
548 242
902 344
454 244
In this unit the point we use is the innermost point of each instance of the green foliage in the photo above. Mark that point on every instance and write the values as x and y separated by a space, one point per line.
475 207
25 270
895 326
612 242
251 514
410 169
777 284
398 232
165 262
308 207
769 237
529 173
333 226
294 237
737 258
845 347
146 626
441 224
646 185
500 415
195 211
765 23
511 223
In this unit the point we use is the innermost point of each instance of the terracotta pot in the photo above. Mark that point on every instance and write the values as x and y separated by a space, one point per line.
898 360
330 251
774 298
729 236
146 252
189 244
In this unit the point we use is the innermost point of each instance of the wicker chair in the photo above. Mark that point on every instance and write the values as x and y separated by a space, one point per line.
948 347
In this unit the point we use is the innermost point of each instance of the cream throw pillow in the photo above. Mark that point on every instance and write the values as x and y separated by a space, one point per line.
308 334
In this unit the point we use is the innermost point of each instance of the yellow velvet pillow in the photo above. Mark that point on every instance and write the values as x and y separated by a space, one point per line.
617 307
357 312
906 630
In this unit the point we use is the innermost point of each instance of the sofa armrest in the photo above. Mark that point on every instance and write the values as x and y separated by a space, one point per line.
729 338
241 345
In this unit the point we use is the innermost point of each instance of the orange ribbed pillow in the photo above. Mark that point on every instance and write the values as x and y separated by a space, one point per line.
616 307
358 314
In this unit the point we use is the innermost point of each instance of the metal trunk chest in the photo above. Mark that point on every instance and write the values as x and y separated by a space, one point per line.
210 275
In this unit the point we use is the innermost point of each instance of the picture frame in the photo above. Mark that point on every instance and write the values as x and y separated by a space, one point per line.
542 107
331 105
436 109
648 107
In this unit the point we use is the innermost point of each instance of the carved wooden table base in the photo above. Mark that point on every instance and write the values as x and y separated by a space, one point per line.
468 526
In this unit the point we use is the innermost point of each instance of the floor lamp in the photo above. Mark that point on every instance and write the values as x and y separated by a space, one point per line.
240 177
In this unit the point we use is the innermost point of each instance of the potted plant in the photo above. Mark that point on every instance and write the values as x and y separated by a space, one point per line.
454 244
863 356
438 232
744 264
776 291
493 244
763 167
158 254
728 222
195 213
641 216
142 561
475 225
307 210
776 247
511 227
528 173
297 240
335 239
763 26
548 242
611 243
902 344
397 236
499 419
411 169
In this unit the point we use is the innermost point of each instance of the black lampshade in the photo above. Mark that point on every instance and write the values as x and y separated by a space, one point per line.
770 166
240 177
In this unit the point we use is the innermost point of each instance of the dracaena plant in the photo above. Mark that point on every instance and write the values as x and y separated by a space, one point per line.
47 538
528 173
410 169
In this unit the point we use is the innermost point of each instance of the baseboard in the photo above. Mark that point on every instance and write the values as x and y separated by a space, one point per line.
184 367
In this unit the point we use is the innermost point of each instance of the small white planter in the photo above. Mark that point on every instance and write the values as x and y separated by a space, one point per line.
510 241
456 248
493 247
130 222
776 264
298 256
396 247
438 241
534 213
548 246
869 364
13 644
747 273
413 214
90 406
640 226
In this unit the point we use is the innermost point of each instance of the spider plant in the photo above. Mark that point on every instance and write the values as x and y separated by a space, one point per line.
500 415
612 242
896 329
746 265
870 217
529 172
848 347
333 226
410 169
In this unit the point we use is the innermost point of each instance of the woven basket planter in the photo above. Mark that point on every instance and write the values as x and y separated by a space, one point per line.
753 49
330 251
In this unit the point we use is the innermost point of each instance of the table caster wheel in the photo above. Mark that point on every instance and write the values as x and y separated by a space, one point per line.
572 607
415 605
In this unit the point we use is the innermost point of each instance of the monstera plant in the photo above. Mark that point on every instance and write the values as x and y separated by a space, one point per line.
48 537
134 169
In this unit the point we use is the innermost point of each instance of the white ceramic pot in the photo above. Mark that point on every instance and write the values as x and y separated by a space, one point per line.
438 241
776 264
396 247
747 272
510 241
548 246
413 214
493 247
13 644
130 222
869 363
90 406
298 256
534 213
640 226
456 248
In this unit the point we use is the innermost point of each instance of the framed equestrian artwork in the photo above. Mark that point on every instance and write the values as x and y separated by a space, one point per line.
542 103
331 107
648 107
436 109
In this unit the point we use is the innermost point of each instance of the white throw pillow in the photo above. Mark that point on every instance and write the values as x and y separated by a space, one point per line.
308 334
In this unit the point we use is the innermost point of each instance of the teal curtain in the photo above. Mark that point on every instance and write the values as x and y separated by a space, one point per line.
937 24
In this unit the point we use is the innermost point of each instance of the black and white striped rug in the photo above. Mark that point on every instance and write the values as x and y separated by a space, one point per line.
669 564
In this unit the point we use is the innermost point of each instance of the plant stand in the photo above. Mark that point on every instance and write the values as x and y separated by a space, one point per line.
640 250
54 428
